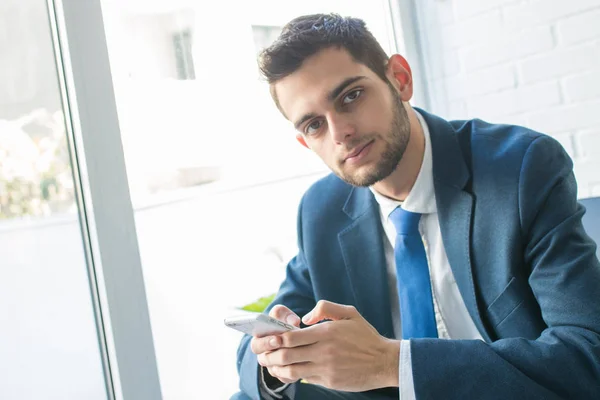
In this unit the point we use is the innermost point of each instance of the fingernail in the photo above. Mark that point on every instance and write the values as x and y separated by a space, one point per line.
307 317
292 319
274 342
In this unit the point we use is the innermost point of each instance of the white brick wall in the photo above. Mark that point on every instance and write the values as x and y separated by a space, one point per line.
516 100
582 87
507 47
585 26
528 62
560 62
527 13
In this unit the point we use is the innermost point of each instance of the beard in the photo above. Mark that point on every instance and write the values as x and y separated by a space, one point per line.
395 142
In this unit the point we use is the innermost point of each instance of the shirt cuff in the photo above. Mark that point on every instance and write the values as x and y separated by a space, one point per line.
407 385
271 389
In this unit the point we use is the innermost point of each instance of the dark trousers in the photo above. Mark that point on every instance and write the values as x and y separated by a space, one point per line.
314 392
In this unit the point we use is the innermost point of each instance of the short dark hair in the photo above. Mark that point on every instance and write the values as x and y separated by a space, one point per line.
306 35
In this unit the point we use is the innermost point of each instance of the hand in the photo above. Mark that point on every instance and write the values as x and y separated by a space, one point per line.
346 353
266 344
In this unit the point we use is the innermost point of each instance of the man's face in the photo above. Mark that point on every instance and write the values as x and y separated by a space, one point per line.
346 114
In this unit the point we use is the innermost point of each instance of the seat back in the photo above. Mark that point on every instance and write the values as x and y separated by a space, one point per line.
591 219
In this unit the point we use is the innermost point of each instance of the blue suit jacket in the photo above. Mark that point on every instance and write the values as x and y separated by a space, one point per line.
526 269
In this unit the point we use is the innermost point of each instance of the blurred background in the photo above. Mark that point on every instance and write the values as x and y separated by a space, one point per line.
213 170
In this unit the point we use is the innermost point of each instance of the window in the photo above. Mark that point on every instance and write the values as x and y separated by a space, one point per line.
214 170
50 347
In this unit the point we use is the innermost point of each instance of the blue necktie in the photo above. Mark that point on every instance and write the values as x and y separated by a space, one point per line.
414 286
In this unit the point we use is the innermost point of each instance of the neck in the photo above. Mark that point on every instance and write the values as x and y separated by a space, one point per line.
399 183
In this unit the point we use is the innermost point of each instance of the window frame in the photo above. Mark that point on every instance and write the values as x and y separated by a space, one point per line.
106 212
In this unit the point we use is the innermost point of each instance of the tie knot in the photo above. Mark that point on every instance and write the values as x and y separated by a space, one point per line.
406 222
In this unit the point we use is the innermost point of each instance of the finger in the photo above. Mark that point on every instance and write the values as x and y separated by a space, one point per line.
302 337
306 336
293 373
314 380
262 360
282 379
329 310
267 343
284 357
284 314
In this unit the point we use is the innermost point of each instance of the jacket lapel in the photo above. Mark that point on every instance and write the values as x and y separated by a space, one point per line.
455 205
362 249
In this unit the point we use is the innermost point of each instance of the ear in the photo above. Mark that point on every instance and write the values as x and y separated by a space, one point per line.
400 75
301 140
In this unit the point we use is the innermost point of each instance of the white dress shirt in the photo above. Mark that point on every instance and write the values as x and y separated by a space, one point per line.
452 318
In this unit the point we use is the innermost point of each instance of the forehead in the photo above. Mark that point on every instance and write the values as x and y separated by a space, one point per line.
306 89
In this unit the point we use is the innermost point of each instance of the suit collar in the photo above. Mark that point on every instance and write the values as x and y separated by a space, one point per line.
359 201
451 177
449 166
361 244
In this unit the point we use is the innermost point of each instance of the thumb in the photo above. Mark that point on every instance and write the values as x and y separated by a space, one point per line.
282 313
329 310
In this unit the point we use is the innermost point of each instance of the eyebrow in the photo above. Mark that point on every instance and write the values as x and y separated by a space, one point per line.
342 86
331 96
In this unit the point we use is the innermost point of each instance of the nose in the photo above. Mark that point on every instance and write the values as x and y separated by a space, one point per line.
341 128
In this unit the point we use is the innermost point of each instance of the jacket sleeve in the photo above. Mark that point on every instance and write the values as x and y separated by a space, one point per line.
296 293
564 275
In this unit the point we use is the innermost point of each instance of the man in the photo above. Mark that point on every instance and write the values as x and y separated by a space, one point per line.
439 260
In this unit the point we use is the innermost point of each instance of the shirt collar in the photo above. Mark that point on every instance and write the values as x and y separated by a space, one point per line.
421 198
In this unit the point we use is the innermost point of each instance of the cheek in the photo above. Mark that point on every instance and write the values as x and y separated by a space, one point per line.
374 117
324 150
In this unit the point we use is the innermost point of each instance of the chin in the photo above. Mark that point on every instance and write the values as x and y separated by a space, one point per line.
361 178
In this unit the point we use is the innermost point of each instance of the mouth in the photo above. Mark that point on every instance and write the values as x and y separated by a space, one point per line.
358 151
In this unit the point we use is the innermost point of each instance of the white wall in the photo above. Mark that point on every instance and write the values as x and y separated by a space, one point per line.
528 62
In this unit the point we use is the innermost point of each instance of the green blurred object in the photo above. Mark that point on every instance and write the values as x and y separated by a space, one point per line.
259 305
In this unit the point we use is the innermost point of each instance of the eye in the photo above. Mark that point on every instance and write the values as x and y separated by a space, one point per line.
313 126
351 96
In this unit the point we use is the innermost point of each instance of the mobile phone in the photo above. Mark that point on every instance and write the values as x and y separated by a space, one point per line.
258 325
